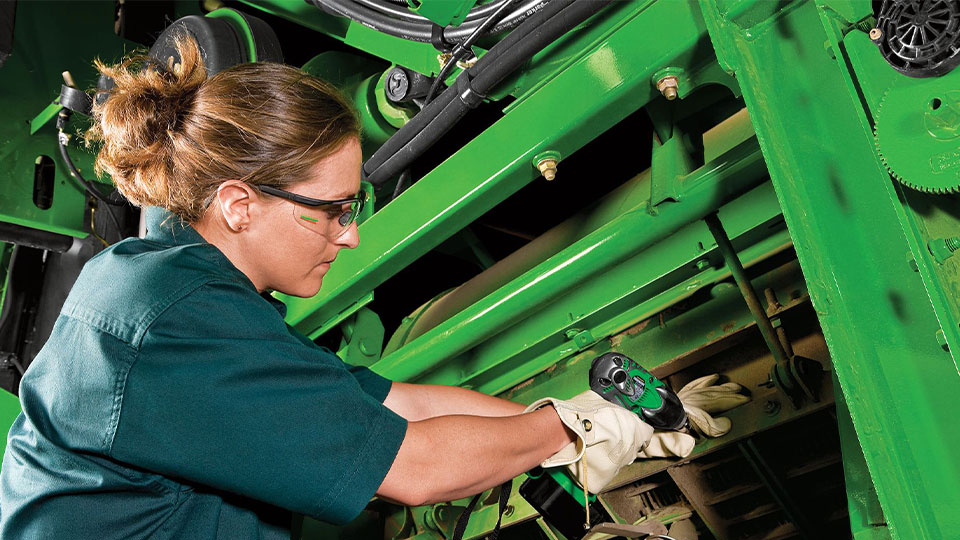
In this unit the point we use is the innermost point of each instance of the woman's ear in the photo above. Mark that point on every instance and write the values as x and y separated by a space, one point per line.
235 198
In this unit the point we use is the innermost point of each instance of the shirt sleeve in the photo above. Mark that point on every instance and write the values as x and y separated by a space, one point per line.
221 394
372 383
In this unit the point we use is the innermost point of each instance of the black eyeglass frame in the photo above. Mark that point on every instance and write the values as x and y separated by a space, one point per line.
309 201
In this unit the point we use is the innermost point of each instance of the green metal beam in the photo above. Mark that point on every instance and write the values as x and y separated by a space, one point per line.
600 251
9 410
843 212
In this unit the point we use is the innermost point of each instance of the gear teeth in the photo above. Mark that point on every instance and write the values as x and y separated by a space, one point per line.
938 189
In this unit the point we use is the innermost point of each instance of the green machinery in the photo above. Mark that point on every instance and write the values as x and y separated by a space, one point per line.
762 189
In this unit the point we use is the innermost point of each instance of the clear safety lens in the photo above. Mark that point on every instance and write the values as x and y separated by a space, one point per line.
330 219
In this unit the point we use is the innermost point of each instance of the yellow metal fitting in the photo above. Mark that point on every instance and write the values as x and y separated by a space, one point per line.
548 168
875 34
668 86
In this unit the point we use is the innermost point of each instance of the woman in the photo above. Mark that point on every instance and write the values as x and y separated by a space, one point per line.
172 401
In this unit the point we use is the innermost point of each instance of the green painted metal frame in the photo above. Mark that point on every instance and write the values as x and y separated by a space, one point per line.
597 266
811 83
606 82
9 410
846 215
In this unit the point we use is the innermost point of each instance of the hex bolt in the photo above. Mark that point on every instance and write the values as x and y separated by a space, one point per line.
943 248
771 407
668 86
876 34
703 264
548 168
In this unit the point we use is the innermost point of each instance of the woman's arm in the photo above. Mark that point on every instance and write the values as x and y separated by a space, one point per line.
449 457
417 402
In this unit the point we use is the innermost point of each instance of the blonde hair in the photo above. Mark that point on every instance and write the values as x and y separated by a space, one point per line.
170 135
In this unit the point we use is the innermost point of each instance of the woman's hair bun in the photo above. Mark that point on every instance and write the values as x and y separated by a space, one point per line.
141 117
171 135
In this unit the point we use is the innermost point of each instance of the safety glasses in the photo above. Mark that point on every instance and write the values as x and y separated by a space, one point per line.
331 218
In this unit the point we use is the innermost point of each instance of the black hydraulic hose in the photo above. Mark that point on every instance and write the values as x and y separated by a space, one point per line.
542 28
375 20
463 49
113 200
89 187
401 11
401 184
34 238
393 10
421 32
432 109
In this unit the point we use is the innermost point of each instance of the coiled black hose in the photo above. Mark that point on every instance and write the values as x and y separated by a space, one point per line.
426 128
420 31
428 114
401 11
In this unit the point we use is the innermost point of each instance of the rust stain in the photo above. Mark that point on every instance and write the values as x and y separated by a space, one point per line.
728 326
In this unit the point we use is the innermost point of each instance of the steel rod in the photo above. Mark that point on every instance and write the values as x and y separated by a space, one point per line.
746 289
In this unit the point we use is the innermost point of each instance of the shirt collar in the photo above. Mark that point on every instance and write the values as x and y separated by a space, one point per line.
168 229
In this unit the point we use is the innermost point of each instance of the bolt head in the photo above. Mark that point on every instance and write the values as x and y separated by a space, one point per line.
397 85
876 34
771 407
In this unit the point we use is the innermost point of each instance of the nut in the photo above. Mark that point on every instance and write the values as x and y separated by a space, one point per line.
548 168
876 34
668 86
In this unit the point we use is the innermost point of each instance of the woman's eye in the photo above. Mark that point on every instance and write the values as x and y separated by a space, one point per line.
333 211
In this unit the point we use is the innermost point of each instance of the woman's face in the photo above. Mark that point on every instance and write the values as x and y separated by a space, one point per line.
295 256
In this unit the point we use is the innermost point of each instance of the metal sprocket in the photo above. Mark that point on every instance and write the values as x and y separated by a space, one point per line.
917 132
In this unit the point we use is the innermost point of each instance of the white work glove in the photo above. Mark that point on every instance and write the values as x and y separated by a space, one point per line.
701 398
668 444
608 438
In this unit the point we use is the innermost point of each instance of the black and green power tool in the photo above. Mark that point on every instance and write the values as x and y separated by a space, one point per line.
621 381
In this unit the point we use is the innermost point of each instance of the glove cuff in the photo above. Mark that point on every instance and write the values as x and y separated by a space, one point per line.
576 420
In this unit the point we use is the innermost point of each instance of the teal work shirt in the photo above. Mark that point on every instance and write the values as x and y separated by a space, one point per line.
172 401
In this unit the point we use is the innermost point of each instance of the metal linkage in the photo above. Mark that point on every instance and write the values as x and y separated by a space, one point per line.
796 376
740 276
